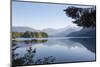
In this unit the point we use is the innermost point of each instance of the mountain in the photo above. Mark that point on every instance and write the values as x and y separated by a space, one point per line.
50 31
23 29
59 32
88 32
65 32
62 32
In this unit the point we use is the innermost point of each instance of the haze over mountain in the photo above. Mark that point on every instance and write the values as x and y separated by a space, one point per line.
23 29
50 31
60 32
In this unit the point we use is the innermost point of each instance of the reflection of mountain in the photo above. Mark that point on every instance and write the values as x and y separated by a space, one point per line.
89 32
89 43
63 42
49 42
23 29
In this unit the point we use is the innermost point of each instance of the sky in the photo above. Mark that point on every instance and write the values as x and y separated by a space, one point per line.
40 15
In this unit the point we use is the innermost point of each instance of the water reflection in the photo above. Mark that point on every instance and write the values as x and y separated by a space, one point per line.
31 41
89 43
63 50
35 41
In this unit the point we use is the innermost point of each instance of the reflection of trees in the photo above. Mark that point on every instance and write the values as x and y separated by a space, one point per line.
31 41
28 58
35 41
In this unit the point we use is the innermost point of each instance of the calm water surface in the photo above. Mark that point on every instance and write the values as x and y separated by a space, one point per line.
62 49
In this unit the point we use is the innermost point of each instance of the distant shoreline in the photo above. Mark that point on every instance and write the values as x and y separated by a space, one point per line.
49 38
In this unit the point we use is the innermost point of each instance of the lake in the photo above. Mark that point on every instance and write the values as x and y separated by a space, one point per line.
59 50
